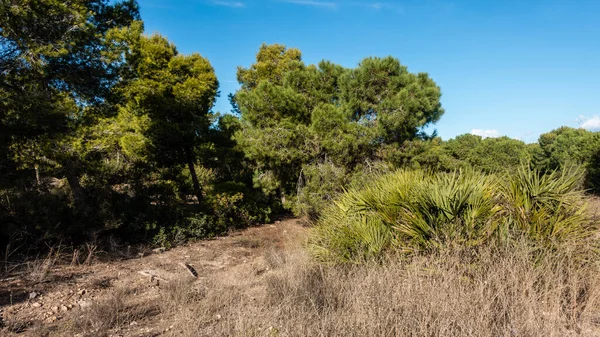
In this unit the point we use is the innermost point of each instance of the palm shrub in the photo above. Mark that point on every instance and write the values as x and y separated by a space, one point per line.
408 211
359 224
416 211
457 208
549 208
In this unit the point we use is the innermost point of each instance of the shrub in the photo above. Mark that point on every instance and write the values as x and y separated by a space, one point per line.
318 185
321 183
412 211
548 207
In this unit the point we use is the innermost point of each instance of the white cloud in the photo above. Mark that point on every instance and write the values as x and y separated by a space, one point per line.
486 133
312 3
334 4
379 5
233 4
589 123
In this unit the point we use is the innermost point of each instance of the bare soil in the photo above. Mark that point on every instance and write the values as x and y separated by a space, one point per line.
50 302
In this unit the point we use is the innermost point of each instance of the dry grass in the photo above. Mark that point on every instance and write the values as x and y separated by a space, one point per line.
495 292
115 311
37 270
113 314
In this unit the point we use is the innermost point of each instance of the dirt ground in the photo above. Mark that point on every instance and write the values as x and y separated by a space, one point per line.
45 304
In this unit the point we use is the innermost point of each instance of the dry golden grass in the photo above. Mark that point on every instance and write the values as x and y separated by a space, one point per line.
495 292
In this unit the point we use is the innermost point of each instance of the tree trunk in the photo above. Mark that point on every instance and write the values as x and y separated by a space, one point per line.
197 188
37 175
76 191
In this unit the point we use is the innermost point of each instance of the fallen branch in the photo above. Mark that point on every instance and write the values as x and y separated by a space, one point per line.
152 276
190 269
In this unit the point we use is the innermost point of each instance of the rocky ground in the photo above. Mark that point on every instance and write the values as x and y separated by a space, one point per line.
49 298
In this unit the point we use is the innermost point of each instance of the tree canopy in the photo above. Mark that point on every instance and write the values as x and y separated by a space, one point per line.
295 115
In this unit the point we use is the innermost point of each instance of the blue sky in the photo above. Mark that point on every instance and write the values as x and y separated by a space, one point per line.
515 68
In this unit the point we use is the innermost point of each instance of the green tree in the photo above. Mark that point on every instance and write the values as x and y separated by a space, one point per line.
567 146
59 63
400 103
299 118
490 154
502 154
172 97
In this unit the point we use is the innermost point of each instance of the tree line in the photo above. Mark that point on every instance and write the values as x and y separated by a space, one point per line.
108 132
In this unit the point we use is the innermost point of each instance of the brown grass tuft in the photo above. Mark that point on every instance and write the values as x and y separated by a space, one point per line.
112 312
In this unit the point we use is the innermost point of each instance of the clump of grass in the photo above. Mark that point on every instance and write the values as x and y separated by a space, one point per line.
415 211
274 258
308 290
192 309
39 269
111 312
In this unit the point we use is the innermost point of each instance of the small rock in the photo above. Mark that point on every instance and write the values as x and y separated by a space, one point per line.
64 308
159 250
272 226
33 295
217 317
133 323
36 305
81 292
84 304
54 308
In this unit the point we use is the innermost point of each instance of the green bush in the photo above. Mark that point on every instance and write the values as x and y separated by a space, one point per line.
318 185
416 211
321 183
548 207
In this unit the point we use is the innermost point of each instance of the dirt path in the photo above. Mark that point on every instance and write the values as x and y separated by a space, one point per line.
66 292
